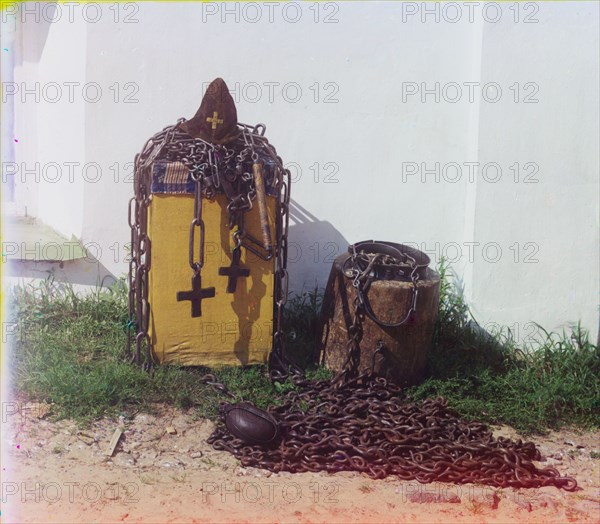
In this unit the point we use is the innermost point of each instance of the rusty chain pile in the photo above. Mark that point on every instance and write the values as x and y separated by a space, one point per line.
366 425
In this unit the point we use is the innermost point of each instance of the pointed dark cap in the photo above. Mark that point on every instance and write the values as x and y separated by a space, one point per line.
216 119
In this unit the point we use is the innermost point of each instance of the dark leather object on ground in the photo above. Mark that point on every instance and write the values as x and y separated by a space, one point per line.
251 424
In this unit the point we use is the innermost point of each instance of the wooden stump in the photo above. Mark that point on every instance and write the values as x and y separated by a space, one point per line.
406 346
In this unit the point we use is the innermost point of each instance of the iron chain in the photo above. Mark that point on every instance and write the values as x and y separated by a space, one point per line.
357 421
366 425
213 169
360 422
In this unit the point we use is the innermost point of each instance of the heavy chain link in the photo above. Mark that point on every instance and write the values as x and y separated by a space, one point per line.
140 255
364 268
214 169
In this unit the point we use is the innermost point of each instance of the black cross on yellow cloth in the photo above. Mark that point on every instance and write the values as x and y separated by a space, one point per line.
196 295
234 271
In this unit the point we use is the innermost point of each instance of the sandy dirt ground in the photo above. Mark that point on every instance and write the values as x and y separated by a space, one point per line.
59 472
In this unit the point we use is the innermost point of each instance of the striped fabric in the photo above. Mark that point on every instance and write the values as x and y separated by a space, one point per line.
172 178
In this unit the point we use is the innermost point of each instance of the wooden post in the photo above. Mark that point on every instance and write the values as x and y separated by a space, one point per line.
406 346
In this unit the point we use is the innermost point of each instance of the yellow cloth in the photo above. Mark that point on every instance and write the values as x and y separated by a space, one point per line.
234 329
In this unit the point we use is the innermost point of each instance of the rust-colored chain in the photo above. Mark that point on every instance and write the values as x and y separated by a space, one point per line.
363 423
358 423
258 145
213 169
140 256
366 425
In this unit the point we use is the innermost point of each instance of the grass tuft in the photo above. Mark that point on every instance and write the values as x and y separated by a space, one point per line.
301 316
489 377
70 351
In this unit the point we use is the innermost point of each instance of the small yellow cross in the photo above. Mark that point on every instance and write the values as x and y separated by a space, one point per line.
214 120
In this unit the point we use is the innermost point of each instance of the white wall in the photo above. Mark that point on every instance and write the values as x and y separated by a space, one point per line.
371 135
557 217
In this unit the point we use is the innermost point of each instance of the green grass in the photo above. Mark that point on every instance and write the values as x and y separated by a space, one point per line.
69 350
491 378
301 318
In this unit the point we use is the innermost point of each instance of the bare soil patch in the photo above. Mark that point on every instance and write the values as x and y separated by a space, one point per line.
58 472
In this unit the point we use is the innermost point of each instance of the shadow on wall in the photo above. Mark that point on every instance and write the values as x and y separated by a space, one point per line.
88 273
313 245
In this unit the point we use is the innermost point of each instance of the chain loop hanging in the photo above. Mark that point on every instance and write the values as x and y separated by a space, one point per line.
213 169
